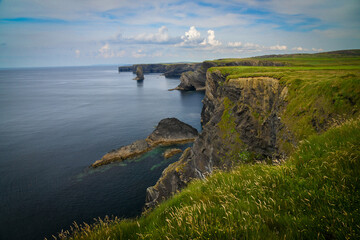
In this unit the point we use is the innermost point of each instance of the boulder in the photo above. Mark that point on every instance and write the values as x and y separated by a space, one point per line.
170 131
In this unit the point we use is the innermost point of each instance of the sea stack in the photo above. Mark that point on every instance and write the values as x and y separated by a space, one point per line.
139 74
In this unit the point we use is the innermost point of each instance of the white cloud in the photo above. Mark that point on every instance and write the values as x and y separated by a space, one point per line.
278 47
252 46
106 52
77 53
192 37
210 40
297 49
139 54
235 44
317 49
159 37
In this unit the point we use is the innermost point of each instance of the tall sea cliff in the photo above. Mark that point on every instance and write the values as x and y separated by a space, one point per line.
258 112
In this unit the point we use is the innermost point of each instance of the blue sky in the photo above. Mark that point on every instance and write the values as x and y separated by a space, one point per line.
87 32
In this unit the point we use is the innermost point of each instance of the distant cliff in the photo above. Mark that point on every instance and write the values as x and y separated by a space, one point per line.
173 70
195 80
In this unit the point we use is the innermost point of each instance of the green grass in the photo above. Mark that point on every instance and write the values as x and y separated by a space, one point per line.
340 58
315 194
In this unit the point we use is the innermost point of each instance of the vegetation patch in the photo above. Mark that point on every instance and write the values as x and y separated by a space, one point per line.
231 141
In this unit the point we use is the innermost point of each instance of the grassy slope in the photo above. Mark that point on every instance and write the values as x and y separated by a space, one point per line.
315 194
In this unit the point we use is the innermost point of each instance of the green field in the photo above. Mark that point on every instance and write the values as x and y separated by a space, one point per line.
314 194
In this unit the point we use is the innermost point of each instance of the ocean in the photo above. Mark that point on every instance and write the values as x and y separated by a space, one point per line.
55 122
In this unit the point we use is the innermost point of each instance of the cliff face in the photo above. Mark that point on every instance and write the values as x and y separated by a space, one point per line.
239 116
195 80
169 70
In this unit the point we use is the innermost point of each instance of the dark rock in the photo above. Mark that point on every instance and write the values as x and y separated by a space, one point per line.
169 131
139 74
125 69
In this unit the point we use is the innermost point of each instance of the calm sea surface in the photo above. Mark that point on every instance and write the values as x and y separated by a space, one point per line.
55 122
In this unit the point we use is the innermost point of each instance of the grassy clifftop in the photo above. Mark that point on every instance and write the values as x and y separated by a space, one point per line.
314 194
319 92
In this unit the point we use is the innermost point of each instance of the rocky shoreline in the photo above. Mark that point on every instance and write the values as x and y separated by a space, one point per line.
169 131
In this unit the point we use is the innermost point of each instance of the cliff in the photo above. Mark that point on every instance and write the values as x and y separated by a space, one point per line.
231 128
260 114
195 80
171 70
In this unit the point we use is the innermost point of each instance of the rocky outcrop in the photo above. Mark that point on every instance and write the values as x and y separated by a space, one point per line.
239 116
134 149
169 131
139 74
171 152
175 70
195 80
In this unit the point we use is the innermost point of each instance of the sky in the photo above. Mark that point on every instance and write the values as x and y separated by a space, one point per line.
40 33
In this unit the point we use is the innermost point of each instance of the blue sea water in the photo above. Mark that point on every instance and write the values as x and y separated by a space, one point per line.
55 122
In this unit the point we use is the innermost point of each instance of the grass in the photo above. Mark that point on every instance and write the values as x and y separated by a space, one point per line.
315 194
339 58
